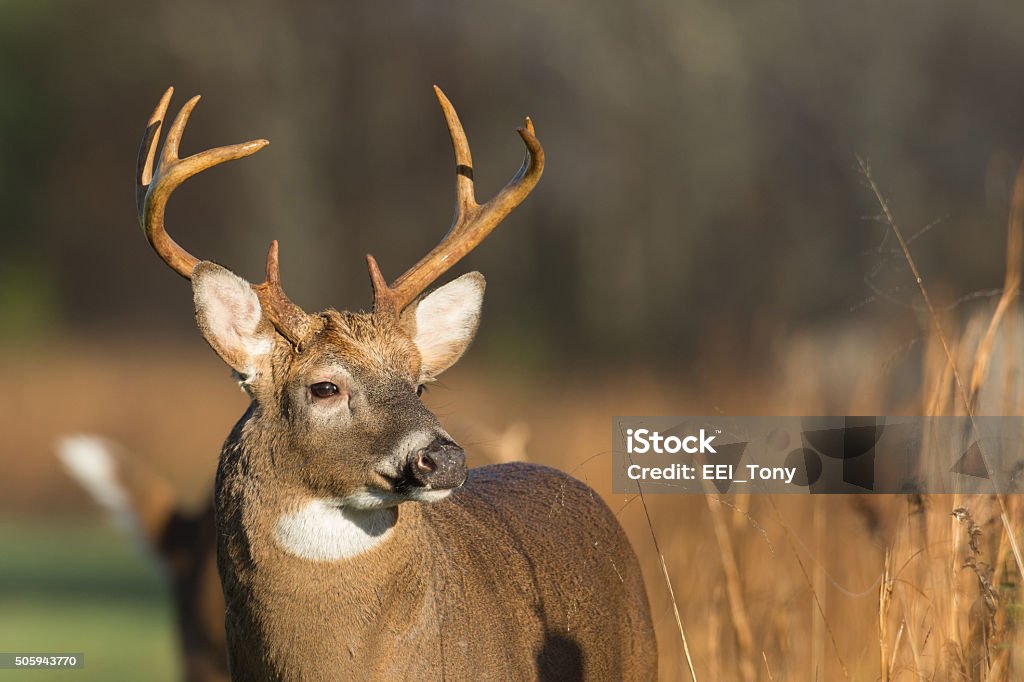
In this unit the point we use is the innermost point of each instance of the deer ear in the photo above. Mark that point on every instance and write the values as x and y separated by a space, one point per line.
444 322
231 319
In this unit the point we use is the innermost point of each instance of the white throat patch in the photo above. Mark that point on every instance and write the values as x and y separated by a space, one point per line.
323 530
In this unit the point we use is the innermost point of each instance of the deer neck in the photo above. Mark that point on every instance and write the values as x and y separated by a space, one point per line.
279 521
295 566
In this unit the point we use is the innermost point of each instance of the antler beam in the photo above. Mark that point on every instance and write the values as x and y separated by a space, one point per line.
157 180
472 222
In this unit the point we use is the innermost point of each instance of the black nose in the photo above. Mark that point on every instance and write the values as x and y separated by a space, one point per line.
441 465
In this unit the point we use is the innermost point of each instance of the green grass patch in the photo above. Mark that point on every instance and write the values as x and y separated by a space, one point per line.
73 588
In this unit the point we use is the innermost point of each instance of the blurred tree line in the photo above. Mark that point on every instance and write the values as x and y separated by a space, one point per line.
701 155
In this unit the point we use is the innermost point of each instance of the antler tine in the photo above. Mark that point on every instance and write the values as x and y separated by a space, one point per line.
294 323
465 195
147 152
472 222
154 185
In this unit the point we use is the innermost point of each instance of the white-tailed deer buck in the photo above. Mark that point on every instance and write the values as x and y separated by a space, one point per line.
352 542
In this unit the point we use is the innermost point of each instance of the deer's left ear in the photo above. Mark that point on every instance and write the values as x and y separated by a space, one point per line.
231 319
443 323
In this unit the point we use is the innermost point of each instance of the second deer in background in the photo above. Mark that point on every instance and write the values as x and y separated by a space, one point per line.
182 542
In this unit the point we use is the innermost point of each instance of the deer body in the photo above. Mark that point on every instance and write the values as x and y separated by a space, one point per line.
465 589
352 541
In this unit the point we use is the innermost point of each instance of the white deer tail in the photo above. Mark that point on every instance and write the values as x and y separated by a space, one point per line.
136 499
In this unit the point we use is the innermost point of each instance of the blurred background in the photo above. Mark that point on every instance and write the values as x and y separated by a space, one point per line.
702 242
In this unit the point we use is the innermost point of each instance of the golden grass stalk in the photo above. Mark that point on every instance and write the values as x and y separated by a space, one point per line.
884 601
734 590
668 583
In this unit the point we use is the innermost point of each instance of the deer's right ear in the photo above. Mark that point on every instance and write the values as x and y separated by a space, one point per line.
442 324
231 319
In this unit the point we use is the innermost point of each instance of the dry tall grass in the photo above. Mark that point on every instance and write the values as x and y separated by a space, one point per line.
953 571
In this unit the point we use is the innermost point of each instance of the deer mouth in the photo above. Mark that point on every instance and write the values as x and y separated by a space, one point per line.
392 489
391 482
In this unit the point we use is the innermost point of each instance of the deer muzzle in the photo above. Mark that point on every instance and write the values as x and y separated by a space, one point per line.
439 466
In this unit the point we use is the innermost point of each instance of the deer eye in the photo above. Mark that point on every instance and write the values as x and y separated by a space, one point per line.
324 389
421 389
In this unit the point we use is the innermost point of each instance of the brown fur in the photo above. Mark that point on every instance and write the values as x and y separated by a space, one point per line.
522 574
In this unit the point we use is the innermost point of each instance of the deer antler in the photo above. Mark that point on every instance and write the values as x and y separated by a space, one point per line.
154 187
472 222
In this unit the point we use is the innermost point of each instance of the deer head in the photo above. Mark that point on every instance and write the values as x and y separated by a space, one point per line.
335 395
